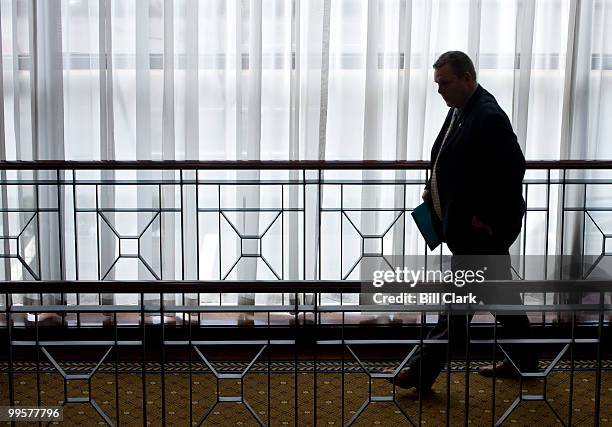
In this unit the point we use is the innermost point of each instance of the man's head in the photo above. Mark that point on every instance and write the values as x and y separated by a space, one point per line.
456 77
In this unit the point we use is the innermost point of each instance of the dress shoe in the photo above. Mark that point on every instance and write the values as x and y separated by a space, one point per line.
504 369
405 378
408 378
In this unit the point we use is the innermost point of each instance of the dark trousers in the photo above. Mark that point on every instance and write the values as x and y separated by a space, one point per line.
432 357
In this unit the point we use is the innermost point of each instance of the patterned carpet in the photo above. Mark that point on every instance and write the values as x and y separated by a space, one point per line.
279 388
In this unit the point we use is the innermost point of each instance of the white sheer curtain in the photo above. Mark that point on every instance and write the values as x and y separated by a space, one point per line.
173 91
288 79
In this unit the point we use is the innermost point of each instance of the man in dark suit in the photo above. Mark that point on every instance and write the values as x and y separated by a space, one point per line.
476 196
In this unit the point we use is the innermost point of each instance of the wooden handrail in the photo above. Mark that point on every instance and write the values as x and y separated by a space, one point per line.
271 164
290 286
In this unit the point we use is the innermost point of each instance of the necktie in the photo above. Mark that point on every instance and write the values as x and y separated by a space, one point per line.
435 196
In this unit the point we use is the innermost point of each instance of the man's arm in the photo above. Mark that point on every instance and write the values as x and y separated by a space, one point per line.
499 200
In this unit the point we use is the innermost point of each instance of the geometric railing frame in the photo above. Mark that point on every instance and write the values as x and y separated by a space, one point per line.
522 397
257 237
123 239
380 375
84 377
363 254
532 397
17 238
222 376
603 252
87 377
386 375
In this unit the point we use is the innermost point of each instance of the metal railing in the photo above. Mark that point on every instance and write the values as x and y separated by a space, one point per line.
65 235
55 213
299 347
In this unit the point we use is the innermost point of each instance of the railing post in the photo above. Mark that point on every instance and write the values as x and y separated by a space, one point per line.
598 369
9 325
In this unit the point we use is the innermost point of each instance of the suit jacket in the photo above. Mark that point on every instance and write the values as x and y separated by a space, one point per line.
479 173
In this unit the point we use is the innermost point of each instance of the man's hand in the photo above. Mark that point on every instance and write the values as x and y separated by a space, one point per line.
479 224
426 195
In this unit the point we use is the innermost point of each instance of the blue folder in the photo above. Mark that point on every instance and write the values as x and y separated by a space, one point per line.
424 219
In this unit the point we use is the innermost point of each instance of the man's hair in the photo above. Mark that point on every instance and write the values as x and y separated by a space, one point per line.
459 62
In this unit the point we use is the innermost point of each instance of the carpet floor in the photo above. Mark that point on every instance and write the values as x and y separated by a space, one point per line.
273 397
